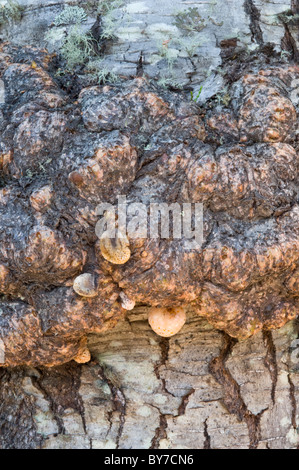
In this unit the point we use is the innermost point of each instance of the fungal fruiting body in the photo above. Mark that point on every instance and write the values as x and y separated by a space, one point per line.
167 322
83 357
115 250
84 285
126 302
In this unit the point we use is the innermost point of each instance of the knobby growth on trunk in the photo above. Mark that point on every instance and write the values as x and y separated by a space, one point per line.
63 154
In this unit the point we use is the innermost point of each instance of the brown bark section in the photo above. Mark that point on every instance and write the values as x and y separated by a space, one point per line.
61 155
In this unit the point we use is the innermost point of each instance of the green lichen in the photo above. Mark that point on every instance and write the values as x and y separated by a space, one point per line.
105 7
10 11
189 21
168 78
224 97
108 9
166 52
77 48
190 44
186 44
100 72
169 82
55 35
70 15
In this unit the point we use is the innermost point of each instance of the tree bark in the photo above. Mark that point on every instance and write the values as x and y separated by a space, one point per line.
197 390
80 369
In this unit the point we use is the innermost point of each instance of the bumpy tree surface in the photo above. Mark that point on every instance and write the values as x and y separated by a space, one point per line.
64 153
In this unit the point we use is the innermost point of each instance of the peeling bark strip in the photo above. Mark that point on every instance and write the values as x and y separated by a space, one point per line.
232 398
254 15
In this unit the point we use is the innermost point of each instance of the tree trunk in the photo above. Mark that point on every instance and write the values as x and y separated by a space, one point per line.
198 105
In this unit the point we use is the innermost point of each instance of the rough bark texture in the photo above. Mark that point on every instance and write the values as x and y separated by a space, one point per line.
199 389
197 40
68 144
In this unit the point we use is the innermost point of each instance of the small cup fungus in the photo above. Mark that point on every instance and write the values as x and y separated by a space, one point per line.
126 302
83 357
167 322
84 285
115 250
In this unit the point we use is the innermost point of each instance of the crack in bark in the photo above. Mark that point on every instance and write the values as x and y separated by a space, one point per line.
118 401
232 399
270 361
110 421
160 432
293 401
140 68
207 443
288 43
164 347
254 16
185 401
18 429
60 387
80 407
53 407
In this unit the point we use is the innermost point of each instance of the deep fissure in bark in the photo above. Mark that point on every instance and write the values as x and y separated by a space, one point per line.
288 43
270 361
293 402
185 401
160 432
254 15
207 443
17 426
118 401
164 347
232 399
60 387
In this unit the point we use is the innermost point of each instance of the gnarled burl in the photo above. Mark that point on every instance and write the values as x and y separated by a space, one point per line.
61 156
